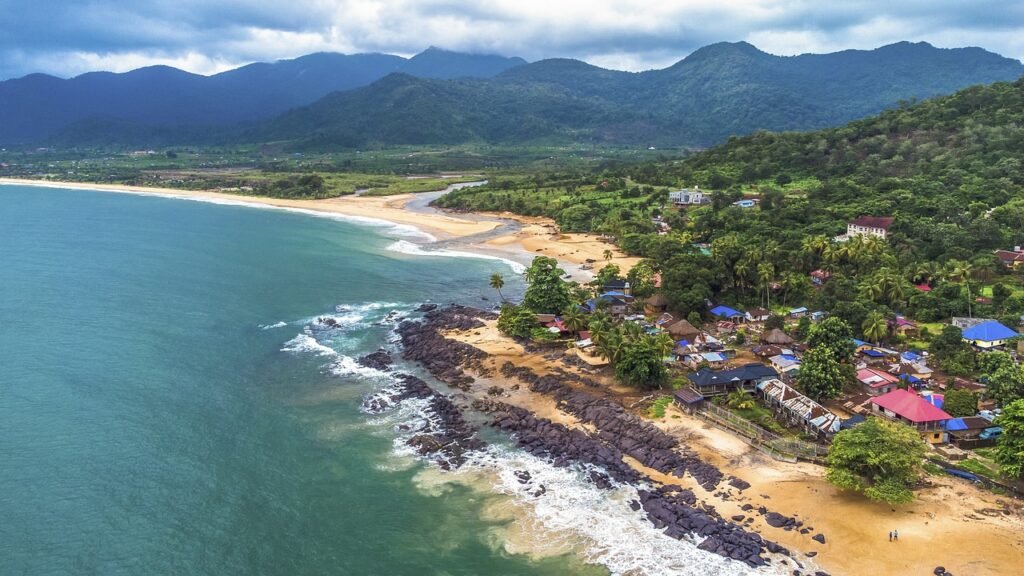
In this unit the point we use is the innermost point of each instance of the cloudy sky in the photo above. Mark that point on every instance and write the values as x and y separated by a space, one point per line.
68 37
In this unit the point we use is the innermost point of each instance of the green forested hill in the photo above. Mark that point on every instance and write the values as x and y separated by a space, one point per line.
719 91
949 170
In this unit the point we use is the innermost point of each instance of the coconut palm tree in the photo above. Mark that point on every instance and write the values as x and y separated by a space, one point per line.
608 254
574 319
613 347
632 331
875 327
498 282
664 344
741 271
740 400
765 274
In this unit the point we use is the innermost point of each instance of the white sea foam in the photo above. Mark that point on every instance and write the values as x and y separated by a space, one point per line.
272 326
599 523
406 247
304 343
347 366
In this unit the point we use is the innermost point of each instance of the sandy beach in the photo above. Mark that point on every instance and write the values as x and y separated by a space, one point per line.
535 236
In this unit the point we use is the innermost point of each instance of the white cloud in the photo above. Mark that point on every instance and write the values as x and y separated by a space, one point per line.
209 35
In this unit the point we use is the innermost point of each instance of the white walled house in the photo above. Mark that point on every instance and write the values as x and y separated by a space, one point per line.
687 197
869 226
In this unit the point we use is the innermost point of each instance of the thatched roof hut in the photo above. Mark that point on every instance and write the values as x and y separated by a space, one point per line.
776 337
683 329
659 300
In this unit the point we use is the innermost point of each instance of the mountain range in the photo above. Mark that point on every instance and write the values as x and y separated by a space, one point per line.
325 101
38 106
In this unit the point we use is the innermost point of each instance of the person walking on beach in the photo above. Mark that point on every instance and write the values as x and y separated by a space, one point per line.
890 535
895 535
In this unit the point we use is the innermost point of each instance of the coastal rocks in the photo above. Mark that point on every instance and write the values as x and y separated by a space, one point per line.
379 360
560 444
776 520
738 484
408 387
445 359
426 307
675 511
819 537
619 428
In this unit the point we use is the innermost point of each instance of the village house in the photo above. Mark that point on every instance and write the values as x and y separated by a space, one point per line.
687 197
798 410
904 327
986 335
713 360
656 304
785 364
616 285
758 314
715 383
730 314
909 408
819 277
966 433
869 226
876 382
683 330
746 203
1012 259
798 312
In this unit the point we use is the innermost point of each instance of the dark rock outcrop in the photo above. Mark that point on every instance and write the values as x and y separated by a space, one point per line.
379 360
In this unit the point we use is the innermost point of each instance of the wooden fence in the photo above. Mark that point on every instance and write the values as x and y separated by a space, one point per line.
778 447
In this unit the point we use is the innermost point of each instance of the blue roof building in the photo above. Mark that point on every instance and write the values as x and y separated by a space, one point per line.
988 334
726 312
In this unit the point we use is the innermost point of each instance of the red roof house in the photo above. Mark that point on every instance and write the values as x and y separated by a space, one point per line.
876 381
909 408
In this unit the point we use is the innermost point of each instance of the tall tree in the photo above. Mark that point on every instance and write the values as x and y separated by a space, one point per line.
1010 447
875 327
878 458
820 375
547 291
498 282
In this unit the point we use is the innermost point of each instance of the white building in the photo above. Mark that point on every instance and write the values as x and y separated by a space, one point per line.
687 197
869 226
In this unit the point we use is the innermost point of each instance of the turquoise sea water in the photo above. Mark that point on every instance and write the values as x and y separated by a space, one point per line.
167 406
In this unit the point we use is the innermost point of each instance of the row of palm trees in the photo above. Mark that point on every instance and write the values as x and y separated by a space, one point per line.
612 339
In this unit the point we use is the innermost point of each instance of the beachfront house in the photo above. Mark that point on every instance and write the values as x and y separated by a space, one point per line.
909 408
798 410
876 382
991 334
715 383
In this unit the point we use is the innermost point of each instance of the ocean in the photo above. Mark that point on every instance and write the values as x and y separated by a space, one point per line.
169 405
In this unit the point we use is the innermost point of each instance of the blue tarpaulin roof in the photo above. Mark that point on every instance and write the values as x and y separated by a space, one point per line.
872 353
989 332
725 312
956 424
911 356
910 378
859 343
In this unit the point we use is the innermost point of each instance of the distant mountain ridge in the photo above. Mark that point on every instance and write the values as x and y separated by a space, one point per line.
37 106
438 97
721 90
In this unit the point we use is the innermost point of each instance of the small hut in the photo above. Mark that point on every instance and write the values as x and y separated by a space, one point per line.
776 337
656 304
683 330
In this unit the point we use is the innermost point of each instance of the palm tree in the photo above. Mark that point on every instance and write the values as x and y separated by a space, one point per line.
765 274
574 319
741 271
664 344
875 327
608 254
963 271
739 400
613 347
498 282
632 331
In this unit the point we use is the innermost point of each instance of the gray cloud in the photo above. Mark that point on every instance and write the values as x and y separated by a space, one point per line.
67 37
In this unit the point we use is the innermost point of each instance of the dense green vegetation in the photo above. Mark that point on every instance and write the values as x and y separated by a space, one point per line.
879 458
950 171
1010 450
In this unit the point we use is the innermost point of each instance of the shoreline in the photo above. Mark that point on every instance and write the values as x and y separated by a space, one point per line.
474 235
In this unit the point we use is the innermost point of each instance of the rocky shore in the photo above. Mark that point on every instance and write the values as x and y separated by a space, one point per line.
612 434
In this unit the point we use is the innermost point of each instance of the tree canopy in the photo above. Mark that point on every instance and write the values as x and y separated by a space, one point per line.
879 458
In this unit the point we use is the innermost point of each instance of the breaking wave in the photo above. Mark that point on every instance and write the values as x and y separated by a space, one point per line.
281 324
406 247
